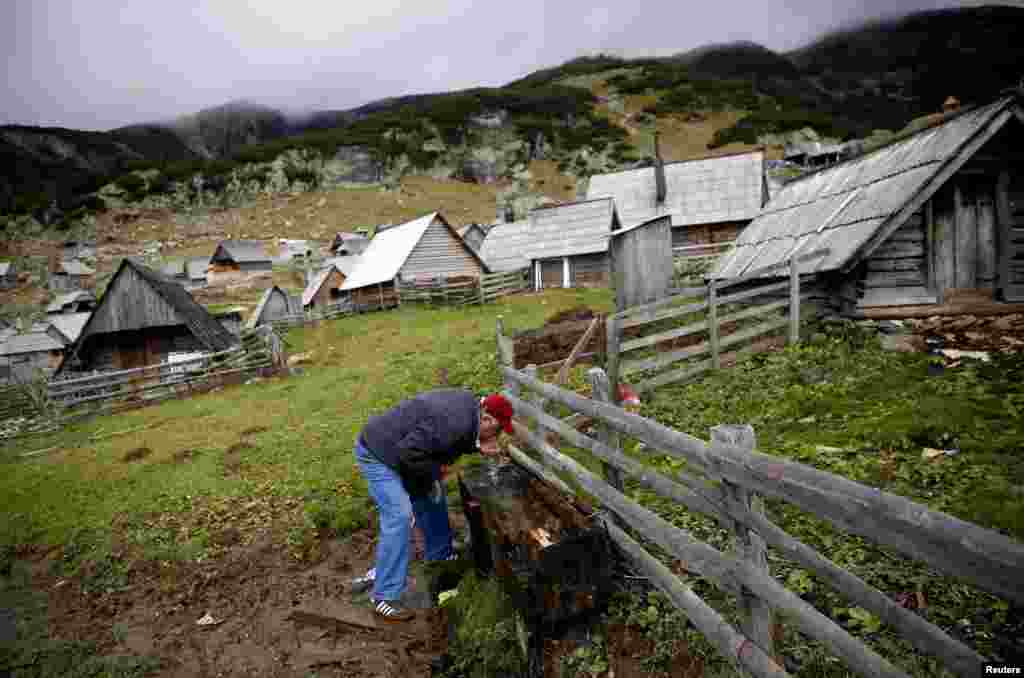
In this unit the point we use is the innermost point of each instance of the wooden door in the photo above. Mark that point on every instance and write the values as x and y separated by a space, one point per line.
1011 226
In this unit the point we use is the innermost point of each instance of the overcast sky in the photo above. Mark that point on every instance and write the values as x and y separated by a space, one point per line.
100 64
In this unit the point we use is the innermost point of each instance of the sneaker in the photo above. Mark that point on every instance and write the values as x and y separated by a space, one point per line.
393 611
364 583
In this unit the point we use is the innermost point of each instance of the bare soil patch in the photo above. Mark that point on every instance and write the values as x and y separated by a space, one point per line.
234 457
254 430
182 456
136 454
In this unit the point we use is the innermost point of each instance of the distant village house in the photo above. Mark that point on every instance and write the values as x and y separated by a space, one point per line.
349 244
710 200
8 275
324 289
69 275
23 356
275 304
234 259
143 319
72 302
569 243
427 246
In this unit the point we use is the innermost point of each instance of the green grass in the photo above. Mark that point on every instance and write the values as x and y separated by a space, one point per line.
300 433
278 453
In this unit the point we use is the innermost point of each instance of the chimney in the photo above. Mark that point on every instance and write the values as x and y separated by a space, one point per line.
950 105
659 173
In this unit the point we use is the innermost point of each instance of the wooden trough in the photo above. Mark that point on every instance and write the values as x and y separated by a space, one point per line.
553 556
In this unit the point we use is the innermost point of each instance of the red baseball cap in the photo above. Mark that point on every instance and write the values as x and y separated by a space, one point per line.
500 408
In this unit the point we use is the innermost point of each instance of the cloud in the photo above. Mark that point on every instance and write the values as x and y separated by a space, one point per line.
105 63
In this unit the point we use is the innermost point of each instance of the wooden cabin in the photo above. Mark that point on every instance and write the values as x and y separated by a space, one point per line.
69 275
142 319
349 244
8 275
273 305
930 224
569 243
506 246
235 259
73 302
22 356
324 289
427 246
710 200
473 235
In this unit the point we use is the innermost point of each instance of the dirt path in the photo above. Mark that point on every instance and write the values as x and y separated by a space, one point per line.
271 617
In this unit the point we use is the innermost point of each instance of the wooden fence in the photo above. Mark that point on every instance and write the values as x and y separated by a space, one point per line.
711 250
726 480
443 291
332 312
718 310
260 351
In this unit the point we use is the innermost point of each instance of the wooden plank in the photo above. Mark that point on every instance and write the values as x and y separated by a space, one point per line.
984 557
713 343
652 339
794 302
887 265
658 362
727 573
894 279
613 357
628 313
899 249
606 436
987 252
748 545
1004 218
563 371
750 657
754 292
966 254
691 371
650 316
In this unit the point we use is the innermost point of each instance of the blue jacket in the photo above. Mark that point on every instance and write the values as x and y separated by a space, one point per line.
418 435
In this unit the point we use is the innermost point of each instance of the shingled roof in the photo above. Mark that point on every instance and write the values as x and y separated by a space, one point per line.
851 207
243 251
506 246
204 327
74 267
30 342
69 325
71 297
702 191
571 229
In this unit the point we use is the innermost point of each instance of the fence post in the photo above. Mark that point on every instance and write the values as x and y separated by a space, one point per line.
794 301
748 545
538 400
600 391
613 331
716 360
480 288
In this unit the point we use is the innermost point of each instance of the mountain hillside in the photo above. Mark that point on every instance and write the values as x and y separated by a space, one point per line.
588 115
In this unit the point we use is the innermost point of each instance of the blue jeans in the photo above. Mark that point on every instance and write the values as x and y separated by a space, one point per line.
396 510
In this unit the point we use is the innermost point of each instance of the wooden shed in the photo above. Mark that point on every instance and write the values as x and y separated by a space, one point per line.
930 224
641 261
142 319
324 289
273 305
8 275
349 244
68 275
506 247
473 235
72 302
710 200
238 259
427 246
569 243
22 356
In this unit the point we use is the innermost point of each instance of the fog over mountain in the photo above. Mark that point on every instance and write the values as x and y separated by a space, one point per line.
104 64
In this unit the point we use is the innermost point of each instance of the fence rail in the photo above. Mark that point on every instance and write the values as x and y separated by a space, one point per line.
443 291
760 302
727 482
260 350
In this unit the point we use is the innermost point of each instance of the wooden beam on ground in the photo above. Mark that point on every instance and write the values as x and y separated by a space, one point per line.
563 371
